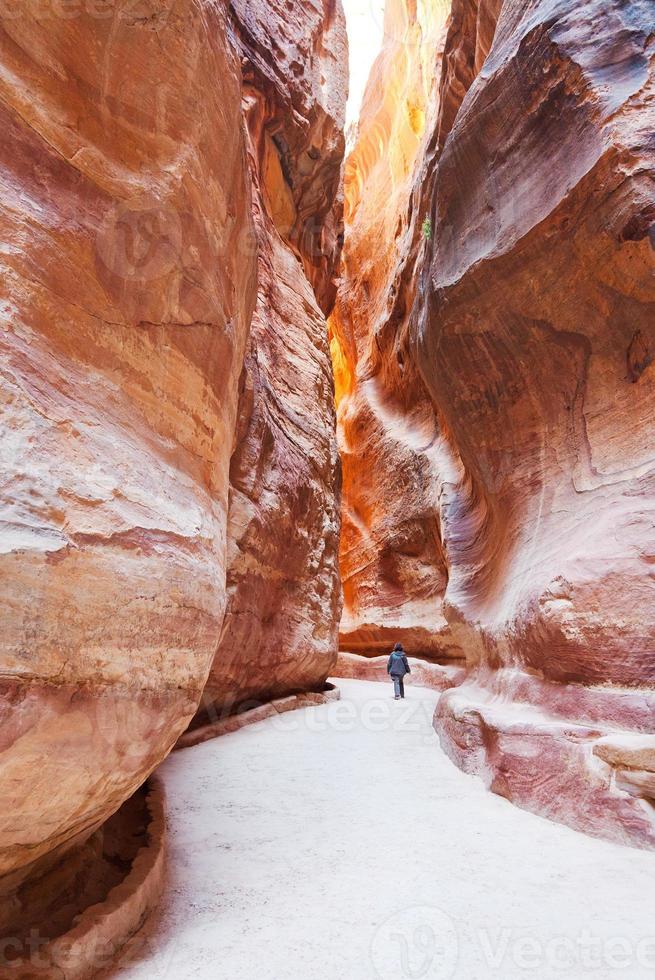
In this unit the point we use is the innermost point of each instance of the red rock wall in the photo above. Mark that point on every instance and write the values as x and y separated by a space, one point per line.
126 305
530 327
284 594
129 276
535 343
295 63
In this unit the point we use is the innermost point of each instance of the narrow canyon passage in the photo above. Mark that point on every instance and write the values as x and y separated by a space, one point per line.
333 841
286 380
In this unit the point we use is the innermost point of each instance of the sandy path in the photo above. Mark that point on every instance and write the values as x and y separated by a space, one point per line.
339 843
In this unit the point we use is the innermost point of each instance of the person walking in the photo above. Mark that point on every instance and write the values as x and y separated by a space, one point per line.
397 668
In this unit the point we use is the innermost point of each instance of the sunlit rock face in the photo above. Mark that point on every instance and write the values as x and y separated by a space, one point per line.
511 352
393 566
127 293
284 596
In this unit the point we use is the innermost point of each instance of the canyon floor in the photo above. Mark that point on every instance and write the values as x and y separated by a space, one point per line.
340 842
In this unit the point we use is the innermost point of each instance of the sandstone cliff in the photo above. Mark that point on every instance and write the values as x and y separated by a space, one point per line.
126 306
280 631
133 239
530 329
535 341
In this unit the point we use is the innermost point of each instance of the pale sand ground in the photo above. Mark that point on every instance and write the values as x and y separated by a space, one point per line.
293 844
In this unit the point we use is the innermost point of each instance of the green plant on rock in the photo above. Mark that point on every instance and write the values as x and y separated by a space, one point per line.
427 229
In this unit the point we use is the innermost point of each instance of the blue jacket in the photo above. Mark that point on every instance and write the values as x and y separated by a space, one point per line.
398 665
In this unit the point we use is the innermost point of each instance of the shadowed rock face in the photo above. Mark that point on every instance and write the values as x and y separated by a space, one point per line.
471 29
542 270
295 64
131 254
531 331
535 343
284 595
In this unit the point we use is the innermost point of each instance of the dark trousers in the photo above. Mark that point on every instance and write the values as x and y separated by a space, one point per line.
399 686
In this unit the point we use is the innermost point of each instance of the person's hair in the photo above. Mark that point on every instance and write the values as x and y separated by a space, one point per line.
398 646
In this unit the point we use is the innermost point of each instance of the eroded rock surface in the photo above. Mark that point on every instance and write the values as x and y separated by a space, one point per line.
295 63
280 631
126 304
534 342
530 328
134 226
